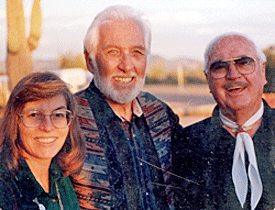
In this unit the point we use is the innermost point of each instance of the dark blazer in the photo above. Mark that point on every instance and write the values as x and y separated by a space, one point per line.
103 186
203 157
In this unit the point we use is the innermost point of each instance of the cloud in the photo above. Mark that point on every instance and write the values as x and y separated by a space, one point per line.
66 22
191 16
160 17
177 17
204 30
3 14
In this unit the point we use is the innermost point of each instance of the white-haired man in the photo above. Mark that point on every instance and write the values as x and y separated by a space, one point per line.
230 157
128 132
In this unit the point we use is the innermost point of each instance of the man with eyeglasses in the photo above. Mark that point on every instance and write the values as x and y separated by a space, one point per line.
230 157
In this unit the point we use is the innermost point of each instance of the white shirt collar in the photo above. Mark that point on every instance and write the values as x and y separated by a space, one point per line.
137 110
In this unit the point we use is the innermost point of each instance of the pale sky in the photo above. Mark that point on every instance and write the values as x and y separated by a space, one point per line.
179 27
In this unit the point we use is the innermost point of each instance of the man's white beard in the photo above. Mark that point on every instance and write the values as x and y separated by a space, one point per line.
120 95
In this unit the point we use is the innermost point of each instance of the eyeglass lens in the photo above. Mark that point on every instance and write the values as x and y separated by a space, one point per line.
245 65
59 118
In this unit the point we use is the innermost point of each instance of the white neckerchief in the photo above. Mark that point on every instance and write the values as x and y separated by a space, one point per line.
239 175
40 206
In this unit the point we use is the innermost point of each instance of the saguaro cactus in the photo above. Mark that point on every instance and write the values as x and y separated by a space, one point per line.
19 59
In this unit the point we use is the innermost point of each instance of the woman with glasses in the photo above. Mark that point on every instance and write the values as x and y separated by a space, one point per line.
40 146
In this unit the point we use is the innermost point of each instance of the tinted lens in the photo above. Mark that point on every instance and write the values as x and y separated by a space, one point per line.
219 69
217 66
245 65
243 61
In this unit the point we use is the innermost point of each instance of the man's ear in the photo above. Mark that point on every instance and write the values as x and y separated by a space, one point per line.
264 72
207 79
206 75
89 62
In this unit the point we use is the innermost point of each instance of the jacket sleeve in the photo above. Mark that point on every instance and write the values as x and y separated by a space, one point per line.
7 196
188 163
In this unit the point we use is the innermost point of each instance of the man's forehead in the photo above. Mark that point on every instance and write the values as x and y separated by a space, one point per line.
230 47
126 30
120 24
232 40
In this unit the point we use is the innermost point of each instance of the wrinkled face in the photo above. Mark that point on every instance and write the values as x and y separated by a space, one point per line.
44 141
235 91
120 60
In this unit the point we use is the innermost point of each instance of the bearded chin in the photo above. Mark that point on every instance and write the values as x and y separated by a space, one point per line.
118 94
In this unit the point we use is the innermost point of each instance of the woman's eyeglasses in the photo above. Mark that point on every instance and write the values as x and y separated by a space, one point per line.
34 118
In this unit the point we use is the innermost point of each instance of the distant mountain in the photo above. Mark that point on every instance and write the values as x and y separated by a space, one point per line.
171 64
186 63
38 65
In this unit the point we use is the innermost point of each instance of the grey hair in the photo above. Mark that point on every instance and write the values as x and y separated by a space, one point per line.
215 41
110 14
